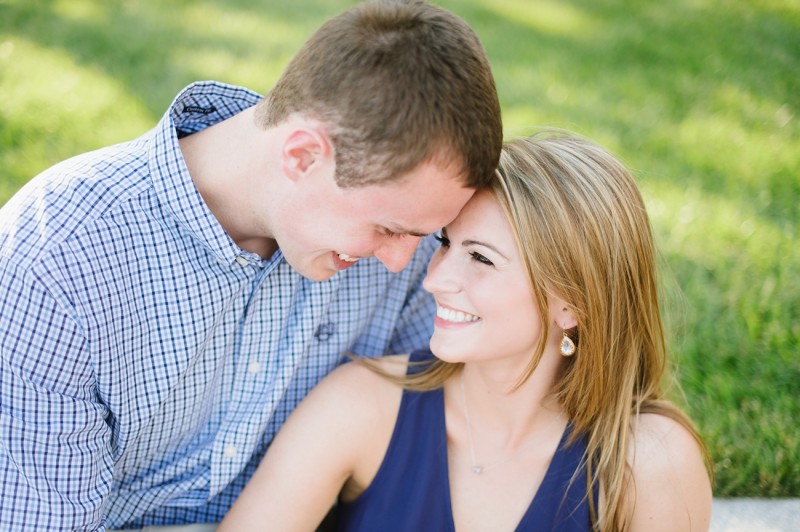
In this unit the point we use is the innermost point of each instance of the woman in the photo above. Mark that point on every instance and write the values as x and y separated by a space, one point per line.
543 407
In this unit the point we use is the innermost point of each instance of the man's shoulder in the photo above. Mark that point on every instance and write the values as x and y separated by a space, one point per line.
69 197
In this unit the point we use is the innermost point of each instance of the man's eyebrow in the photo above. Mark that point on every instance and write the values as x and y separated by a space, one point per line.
466 243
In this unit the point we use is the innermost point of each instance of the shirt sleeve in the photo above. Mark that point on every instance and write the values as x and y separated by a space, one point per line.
55 453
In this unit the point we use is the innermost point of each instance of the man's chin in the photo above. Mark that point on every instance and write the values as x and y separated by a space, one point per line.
316 272
315 268
324 276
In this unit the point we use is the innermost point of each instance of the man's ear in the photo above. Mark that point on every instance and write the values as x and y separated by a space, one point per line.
304 149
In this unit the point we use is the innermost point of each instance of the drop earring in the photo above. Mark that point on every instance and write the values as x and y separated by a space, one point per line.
567 346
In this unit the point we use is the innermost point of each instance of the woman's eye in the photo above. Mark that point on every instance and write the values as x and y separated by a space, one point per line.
480 258
443 240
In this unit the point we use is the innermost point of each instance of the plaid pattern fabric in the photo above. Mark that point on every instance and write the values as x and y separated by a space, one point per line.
146 361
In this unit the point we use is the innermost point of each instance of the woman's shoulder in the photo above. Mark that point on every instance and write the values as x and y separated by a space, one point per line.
347 387
671 486
369 372
659 441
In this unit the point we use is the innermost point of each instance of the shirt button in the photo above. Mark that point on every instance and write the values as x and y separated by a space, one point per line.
242 261
230 451
254 367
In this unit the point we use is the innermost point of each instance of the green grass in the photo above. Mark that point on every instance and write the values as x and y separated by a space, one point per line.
700 98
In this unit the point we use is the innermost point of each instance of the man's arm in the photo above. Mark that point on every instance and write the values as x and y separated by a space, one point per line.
55 458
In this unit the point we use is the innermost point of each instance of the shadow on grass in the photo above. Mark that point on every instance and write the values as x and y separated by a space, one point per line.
643 70
139 46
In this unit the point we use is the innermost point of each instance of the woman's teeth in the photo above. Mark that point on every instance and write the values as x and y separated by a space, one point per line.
455 316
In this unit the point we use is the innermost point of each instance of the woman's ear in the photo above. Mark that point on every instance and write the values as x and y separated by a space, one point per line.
562 314
304 149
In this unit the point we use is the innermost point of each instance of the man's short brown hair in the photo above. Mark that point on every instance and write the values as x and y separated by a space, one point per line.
397 83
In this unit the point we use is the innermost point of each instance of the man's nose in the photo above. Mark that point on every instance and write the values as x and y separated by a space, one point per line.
396 254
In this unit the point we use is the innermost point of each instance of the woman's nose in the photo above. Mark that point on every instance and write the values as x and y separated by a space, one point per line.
441 277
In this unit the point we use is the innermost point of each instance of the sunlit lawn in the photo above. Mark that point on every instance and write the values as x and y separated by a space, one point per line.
700 98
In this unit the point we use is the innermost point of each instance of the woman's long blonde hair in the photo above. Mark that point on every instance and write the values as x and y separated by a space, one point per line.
584 235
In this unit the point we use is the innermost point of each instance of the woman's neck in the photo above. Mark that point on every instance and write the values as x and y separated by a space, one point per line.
501 416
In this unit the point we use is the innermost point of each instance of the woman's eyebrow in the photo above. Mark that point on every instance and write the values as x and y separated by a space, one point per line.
484 244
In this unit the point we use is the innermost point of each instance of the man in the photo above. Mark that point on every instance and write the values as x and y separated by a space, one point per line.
165 303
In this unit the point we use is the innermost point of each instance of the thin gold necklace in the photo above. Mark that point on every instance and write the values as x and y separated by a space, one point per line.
478 469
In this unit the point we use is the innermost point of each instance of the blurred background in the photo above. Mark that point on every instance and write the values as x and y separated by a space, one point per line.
701 98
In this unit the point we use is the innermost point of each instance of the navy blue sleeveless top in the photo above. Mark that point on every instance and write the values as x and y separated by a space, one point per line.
411 490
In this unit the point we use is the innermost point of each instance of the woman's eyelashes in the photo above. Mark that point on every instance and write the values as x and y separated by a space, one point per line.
480 258
444 242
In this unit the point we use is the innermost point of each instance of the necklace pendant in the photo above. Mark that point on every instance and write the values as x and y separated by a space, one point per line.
477 469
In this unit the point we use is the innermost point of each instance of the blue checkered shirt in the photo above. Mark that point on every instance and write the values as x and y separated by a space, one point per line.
146 361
